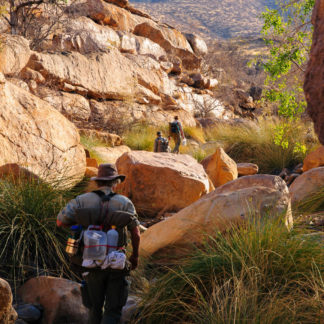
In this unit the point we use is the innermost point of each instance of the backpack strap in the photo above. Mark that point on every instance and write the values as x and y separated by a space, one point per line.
104 204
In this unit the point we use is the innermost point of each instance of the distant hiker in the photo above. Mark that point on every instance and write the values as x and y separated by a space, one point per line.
161 144
176 132
105 280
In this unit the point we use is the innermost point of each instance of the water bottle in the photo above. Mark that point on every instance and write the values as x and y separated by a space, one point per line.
73 240
112 238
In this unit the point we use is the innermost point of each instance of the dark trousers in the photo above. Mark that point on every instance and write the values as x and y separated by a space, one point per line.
108 290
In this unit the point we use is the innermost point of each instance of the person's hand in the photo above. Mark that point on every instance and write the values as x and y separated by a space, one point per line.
134 261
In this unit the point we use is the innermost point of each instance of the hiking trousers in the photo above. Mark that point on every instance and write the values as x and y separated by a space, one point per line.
177 142
107 289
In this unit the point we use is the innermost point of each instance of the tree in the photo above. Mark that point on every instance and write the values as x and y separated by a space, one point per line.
288 32
33 19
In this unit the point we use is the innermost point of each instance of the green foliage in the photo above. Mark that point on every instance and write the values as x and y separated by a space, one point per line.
30 242
259 273
288 33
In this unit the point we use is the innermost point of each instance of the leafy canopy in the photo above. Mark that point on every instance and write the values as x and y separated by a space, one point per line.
288 33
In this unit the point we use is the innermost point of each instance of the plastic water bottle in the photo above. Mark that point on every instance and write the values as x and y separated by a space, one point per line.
112 238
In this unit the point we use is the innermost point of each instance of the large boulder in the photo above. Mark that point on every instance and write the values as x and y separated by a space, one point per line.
85 36
107 75
60 298
198 44
7 314
171 40
111 15
220 167
160 182
36 136
314 159
14 54
73 106
235 202
314 78
307 184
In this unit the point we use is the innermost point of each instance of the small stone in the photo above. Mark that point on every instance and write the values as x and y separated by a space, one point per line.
28 313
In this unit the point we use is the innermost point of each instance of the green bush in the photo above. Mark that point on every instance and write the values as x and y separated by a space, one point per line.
90 143
257 274
30 242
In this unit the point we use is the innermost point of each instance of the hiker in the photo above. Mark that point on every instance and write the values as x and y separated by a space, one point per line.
161 144
176 132
105 288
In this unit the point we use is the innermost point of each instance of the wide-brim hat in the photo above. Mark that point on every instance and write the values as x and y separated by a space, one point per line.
108 172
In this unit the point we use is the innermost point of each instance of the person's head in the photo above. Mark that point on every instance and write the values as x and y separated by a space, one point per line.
176 117
108 176
158 134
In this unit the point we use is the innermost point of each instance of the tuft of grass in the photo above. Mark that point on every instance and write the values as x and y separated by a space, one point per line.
195 133
257 144
260 273
313 203
90 143
30 242
142 136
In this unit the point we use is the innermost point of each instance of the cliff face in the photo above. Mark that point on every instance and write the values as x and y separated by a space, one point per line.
314 80
112 63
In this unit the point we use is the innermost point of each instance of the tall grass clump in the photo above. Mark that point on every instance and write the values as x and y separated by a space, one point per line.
259 273
256 144
89 143
142 136
30 242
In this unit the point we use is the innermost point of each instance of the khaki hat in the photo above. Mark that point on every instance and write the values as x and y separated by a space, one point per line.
108 172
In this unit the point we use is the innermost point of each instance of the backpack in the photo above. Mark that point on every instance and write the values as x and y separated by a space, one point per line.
164 144
174 126
88 216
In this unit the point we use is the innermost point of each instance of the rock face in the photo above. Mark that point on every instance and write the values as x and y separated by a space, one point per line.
60 298
7 314
14 54
220 168
314 79
233 203
244 169
314 159
38 137
307 184
160 182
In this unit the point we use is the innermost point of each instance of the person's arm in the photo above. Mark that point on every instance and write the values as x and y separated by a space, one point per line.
181 130
135 238
66 217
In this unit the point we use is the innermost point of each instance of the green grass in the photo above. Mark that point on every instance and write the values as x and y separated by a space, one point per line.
90 143
256 145
142 136
259 273
30 242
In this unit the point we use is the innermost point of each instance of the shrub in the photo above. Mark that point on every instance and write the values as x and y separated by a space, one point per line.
257 274
30 242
